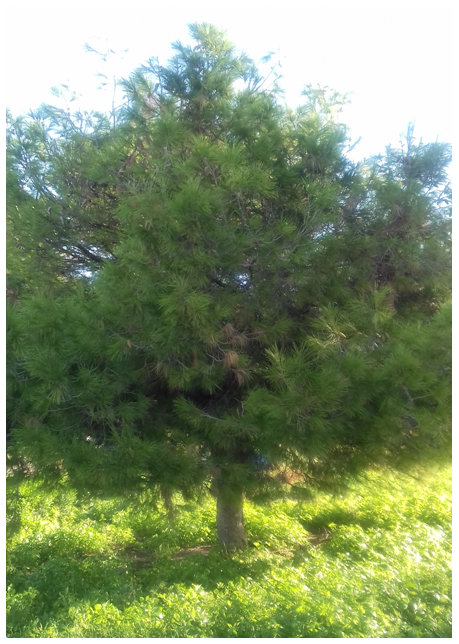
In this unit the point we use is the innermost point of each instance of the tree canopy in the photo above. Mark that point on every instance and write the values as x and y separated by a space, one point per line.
205 291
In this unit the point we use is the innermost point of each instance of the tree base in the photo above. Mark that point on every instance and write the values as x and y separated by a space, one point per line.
230 522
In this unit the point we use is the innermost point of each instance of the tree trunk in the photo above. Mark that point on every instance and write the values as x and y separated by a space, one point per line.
168 504
230 520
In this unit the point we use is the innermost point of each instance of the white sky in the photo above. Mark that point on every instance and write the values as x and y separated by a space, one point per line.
396 58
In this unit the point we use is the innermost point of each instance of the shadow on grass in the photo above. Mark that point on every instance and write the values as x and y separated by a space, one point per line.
53 583
206 565
321 522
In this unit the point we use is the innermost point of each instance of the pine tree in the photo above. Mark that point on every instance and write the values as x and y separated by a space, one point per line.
61 197
228 295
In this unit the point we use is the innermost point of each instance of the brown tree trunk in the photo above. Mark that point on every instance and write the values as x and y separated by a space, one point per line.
168 504
230 520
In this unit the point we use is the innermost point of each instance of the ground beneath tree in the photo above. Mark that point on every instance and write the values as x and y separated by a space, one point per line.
143 559
188 552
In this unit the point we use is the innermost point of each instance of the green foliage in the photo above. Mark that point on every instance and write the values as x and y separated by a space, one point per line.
375 563
60 217
203 281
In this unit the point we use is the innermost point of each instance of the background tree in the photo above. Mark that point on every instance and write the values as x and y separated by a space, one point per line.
239 297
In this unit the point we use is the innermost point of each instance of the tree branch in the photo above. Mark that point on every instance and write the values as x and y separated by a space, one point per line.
87 253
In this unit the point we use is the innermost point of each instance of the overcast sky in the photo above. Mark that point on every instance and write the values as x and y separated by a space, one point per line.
396 58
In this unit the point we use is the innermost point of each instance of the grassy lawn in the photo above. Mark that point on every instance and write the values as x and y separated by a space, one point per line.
375 563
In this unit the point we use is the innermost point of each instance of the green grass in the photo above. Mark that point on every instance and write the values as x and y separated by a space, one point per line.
373 564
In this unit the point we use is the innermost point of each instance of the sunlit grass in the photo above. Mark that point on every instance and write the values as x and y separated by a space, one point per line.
375 563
